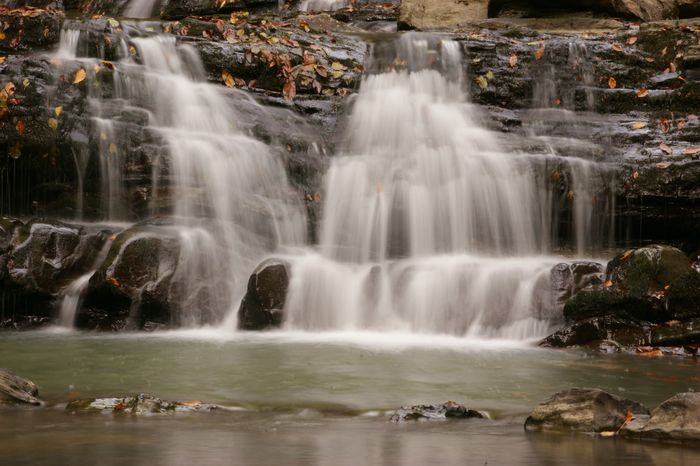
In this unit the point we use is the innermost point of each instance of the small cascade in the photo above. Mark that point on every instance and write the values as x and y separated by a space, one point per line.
323 5
430 226
227 192
140 8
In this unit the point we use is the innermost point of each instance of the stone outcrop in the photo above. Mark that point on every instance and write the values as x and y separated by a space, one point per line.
137 405
263 304
440 412
440 14
676 419
16 390
582 410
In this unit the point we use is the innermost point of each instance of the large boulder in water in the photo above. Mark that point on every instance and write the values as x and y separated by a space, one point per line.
647 270
263 304
448 410
582 410
676 419
15 389
597 331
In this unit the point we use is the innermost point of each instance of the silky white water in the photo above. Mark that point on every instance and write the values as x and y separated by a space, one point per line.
231 202
429 226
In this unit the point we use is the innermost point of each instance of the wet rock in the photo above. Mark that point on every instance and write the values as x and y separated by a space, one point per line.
612 302
263 304
582 410
428 15
173 9
594 331
647 270
569 278
676 419
133 285
28 29
676 333
142 404
449 410
16 390
683 296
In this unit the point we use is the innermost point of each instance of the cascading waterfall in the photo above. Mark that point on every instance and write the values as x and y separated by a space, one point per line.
140 8
428 225
230 197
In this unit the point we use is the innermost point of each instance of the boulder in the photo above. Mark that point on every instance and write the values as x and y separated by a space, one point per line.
430 15
612 302
262 306
142 404
596 330
172 9
29 29
567 279
582 410
676 333
448 410
647 270
16 390
683 296
676 419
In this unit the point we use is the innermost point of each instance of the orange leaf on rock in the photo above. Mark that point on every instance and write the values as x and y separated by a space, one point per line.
665 149
663 165
80 76
632 40
664 125
617 47
638 125
513 60
19 126
539 53
612 83
289 90
692 151
643 92
228 79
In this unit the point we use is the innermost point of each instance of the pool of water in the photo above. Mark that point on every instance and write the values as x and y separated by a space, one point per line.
300 398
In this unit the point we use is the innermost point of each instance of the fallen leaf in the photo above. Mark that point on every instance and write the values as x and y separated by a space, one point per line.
649 60
643 92
664 51
114 281
112 149
321 71
665 149
617 47
607 284
53 123
632 40
539 53
228 79
638 125
680 124
513 60
337 66
612 83
663 165
482 82
79 76
649 351
2 59
672 323
15 151
58 110
672 67
289 91
19 126
608 433
692 151
664 125
635 175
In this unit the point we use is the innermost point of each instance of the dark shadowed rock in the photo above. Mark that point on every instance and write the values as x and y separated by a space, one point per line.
172 9
676 419
449 410
676 333
14 389
596 330
263 304
647 270
683 296
569 278
612 302
582 410
142 404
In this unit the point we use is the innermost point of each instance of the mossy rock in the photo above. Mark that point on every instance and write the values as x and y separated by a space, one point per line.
683 297
648 270
612 302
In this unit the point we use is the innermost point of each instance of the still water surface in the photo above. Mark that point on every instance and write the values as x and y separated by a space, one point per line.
319 399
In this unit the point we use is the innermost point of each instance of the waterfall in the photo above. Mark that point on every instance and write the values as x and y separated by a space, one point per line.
140 8
323 5
231 201
429 225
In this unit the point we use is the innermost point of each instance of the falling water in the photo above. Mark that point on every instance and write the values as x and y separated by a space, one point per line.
140 8
229 193
428 225
323 5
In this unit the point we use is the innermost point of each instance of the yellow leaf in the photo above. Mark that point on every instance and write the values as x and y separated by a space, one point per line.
608 433
482 82
338 74
58 110
53 123
26 83
2 59
113 22
132 50
337 66
228 79
489 75
638 125
79 76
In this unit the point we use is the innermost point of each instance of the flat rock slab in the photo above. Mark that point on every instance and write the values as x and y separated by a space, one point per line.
16 390
142 404
449 410
582 410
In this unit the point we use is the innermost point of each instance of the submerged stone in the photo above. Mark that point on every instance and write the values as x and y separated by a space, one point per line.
597 330
677 419
582 410
448 410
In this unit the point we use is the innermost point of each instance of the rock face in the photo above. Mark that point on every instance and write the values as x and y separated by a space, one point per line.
440 14
647 270
263 304
142 404
569 278
449 410
582 410
180 8
677 419
15 390
598 329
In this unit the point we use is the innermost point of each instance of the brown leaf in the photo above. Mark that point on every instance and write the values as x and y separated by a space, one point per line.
612 83
289 90
649 351
632 40
2 59
692 151
539 53
638 125
227 78
649 60
635 175
665 149
617 47
79 76
664 51
672 67
663 165
607 284
680 124
608 433
19 126
513 60
114 281
664 125
643 92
